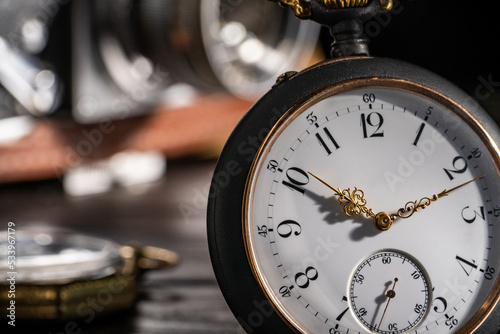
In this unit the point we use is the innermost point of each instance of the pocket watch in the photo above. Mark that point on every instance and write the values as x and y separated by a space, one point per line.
58 274
361 195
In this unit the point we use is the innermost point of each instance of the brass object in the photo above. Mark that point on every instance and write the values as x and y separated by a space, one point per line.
386 5
301 8
412 207
73 300
81 298
354 203
284 77
334 4
138 258
383 221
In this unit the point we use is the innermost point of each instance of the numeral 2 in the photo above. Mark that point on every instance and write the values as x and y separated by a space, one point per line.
469 217
459 165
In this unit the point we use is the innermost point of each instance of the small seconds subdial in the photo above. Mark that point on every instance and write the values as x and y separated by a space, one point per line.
389 293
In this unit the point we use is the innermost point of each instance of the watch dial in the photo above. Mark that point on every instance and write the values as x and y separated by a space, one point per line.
335 162
376 284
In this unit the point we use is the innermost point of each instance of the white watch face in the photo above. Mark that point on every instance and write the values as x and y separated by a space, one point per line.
381 147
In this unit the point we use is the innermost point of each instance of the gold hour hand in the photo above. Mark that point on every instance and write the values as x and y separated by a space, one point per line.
411 207
353 201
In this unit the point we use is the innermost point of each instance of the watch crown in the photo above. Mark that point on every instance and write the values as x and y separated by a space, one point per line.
334 4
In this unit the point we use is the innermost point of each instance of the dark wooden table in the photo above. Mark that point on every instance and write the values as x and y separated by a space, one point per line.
169 214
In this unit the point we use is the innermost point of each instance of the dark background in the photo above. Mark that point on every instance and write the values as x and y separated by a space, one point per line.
459 40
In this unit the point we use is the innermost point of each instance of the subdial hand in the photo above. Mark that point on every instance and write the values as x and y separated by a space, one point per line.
390 294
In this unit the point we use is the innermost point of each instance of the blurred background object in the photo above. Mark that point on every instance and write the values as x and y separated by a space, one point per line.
56 271
169 213
115 59
81 80
123 169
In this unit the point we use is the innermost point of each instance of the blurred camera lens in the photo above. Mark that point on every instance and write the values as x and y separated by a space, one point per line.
240 46
251 42
119 39
114 59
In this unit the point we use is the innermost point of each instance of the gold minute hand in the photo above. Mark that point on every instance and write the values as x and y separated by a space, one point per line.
412 207
353 201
